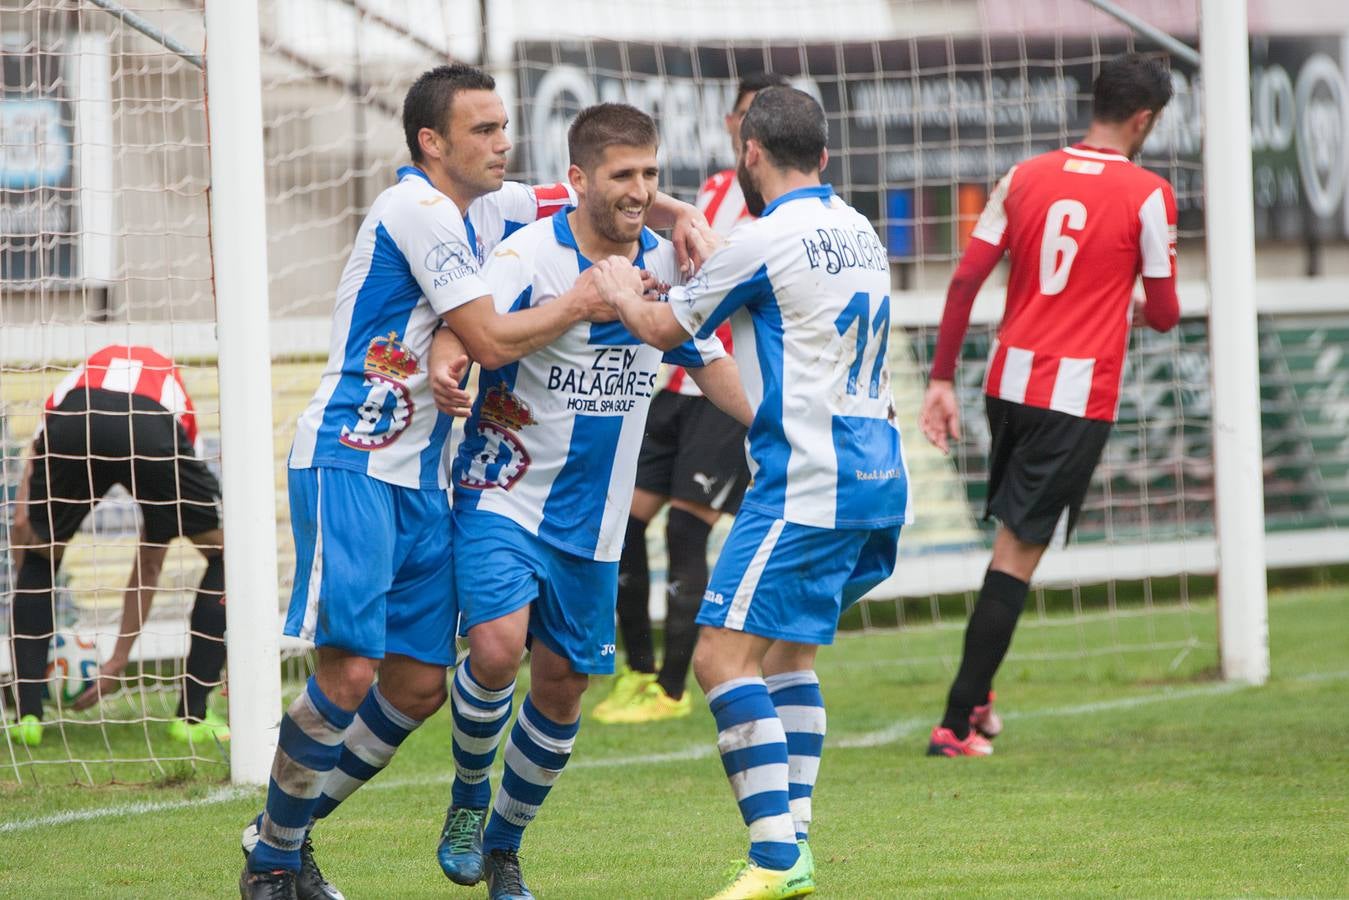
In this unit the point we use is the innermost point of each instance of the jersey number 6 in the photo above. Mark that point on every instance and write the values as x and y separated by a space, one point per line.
1057 250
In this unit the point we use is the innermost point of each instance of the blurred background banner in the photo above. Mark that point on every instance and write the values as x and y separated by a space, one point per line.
930 123
39 212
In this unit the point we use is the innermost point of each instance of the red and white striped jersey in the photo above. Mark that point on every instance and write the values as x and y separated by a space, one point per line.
134 370
722 201
1080 226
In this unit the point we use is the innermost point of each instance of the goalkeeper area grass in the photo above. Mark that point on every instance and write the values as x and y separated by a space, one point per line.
1131 775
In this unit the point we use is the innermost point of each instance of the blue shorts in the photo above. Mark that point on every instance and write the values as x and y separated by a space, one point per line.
373 568
791 582
501 567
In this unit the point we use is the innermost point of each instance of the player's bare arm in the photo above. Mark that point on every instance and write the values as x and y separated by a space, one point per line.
137 599
497 340
689 229
446 370
620 286
939 418
719 381
940 415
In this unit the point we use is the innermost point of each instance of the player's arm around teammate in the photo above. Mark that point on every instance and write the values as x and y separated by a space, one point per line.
689 229
494 339
542 480
374 582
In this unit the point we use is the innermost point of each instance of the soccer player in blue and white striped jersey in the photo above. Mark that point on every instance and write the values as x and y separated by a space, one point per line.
543 478
806 287
374 571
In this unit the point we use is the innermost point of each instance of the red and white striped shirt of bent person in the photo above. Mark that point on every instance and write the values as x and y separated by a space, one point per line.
1080 225
722 201
134 370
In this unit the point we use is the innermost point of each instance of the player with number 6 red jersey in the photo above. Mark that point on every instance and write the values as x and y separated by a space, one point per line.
1080 225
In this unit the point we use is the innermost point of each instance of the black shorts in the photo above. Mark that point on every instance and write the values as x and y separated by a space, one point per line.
98 438
1040 463
693 452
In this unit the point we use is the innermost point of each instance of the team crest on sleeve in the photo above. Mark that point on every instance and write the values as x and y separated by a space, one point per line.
387 408
499 458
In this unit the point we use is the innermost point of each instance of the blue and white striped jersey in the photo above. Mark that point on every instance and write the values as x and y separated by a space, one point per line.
414 259
552 443
807 290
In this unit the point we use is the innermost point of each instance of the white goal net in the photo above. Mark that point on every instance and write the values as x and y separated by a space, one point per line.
105 239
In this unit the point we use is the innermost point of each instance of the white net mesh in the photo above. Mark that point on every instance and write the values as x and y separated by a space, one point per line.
921 126
106 240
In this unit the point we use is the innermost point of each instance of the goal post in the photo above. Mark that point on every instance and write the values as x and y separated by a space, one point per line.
1229 236
239 254
1243 616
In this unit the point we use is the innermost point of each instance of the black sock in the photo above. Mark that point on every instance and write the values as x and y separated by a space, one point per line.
32 629
987 637
634 599
206 652
686 536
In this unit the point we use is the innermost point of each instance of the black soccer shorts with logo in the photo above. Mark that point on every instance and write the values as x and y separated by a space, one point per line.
1039 464
95 439
694 452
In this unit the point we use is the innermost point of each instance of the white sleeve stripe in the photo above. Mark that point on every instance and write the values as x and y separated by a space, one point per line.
1155 236
67 384
993 220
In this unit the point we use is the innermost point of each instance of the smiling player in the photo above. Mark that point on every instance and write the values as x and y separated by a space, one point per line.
542 481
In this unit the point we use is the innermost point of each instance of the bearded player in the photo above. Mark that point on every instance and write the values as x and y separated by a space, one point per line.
693 457
807 290
542 479
374 572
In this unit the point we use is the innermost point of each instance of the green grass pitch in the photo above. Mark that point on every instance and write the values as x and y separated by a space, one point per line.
1132 774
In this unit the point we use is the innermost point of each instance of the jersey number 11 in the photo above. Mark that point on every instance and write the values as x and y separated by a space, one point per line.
859 310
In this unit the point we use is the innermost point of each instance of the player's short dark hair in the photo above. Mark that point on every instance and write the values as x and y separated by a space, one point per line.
428 101
1127 84
757 81
790 127
608 125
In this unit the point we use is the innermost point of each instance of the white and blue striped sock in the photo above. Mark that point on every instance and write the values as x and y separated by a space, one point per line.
310 744
536 753
374 736
753 750
480 716
800 706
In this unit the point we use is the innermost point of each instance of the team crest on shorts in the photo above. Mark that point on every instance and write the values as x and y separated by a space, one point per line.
387 408
499 458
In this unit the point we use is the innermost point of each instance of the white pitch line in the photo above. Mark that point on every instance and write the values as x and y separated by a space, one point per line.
903 729
219 795
698 751
888 735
